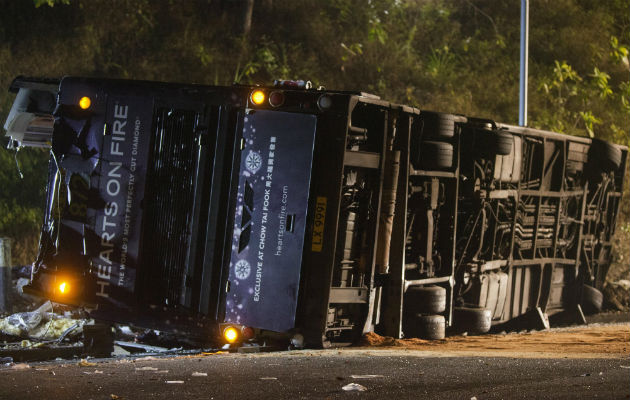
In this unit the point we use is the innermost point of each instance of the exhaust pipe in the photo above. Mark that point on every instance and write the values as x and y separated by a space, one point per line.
388 204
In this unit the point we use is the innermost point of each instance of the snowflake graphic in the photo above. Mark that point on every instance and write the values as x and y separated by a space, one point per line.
242 269
253 161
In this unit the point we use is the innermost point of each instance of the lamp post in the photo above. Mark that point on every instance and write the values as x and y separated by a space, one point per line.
522 111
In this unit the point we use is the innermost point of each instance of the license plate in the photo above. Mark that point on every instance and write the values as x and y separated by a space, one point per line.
318 225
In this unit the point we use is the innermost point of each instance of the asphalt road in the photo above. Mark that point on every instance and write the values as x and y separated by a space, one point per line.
392 374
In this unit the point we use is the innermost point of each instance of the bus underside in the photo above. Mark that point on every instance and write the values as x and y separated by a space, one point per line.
313 213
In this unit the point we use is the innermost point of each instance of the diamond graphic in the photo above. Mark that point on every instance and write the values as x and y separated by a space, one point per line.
253 161
242 269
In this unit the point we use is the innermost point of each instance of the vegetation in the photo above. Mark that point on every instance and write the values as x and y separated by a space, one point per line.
448 55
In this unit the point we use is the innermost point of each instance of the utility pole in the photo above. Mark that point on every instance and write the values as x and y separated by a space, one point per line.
522 109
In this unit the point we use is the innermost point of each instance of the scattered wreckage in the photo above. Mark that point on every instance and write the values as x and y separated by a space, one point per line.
241 213
53 331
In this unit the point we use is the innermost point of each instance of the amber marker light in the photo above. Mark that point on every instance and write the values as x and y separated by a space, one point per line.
64 288
85 103
230 334
258 97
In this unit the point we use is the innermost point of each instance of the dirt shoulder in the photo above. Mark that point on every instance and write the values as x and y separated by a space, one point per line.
592 341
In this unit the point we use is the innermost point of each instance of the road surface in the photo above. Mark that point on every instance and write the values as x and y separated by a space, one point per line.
583 363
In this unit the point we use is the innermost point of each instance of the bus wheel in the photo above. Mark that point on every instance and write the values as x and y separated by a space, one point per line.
437 125
592 299
435 155
494 143
502 143
425 300
430 327
472 320
605 155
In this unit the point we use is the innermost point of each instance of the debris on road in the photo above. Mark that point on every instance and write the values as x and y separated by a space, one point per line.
354 387
214 353
139 347
45 333
96 371
86 363
54 331
146 369
21 324
593 340
147 358
617 295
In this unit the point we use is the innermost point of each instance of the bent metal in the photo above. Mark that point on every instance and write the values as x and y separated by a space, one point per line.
381 217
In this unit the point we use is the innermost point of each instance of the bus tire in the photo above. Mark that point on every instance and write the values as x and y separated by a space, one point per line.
437 125
494 143
429 327
605 155
473 320
592 300
435 155
425 300
502 143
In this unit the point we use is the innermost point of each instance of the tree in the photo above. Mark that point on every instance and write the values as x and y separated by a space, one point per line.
246 16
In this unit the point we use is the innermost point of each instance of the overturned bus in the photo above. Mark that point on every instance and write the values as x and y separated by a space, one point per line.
232 213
